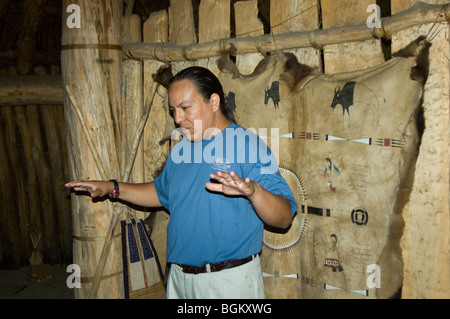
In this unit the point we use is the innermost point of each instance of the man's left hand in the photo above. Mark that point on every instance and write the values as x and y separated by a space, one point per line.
231 184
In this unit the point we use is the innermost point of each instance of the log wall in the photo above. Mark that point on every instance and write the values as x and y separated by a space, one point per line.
33 151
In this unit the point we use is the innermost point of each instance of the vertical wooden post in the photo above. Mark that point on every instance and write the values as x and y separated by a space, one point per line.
181 22
91 68
181 28
296 15
132 91
247 25
156 29
426 236
219 12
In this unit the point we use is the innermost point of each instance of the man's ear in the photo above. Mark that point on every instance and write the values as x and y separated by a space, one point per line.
214 100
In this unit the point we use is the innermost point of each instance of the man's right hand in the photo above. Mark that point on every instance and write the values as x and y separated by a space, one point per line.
94 188
141 194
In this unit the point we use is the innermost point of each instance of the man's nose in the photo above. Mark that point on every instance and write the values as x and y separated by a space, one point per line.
178 116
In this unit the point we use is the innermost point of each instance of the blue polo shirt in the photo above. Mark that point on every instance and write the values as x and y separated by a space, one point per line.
207 227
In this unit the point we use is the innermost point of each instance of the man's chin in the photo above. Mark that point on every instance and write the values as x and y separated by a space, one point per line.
190 136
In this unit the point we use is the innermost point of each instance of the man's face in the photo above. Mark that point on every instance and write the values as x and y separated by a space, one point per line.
189 107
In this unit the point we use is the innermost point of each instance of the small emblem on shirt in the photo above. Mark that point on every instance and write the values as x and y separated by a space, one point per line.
221 164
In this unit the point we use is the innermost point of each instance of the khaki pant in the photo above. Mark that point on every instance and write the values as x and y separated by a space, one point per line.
242 282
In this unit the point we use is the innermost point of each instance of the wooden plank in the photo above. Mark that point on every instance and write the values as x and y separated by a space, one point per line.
156 29
181 22
212 10
217 11
296 16
349 56
132 95
425 241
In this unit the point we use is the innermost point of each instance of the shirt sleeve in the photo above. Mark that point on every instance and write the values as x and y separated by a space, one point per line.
162 184
267 174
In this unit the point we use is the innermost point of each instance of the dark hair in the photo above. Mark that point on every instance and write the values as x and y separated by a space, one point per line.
206 84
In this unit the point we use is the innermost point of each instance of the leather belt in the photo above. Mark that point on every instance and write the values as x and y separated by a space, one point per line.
227 264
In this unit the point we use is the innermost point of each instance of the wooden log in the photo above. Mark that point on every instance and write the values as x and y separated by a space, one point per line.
31 89
425 239
419 14
91 61
155 29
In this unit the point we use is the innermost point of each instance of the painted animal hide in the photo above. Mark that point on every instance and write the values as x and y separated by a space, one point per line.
347 145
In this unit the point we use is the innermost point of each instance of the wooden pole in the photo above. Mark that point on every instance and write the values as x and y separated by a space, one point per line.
91 67
156 29
419 14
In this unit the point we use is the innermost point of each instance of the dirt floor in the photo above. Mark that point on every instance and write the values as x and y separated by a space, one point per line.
15 284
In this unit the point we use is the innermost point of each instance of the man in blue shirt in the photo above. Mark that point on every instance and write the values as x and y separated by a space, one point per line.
220 185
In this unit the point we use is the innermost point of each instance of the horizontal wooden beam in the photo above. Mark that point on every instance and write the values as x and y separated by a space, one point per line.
420 13
31 89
